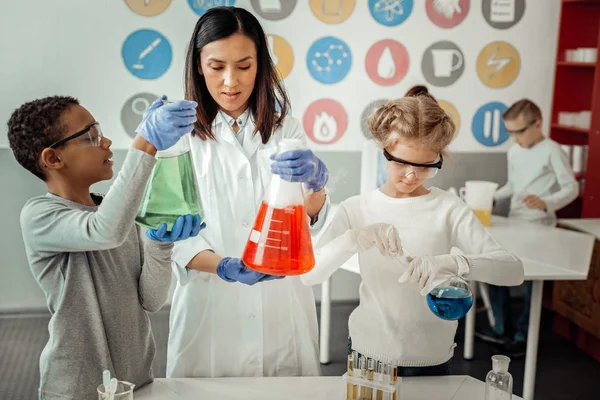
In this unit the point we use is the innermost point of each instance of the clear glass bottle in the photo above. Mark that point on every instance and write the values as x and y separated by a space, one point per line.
499 382
451 300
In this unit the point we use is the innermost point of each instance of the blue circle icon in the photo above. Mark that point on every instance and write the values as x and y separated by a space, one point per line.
329 60
201 6
147 54
488 127
390 12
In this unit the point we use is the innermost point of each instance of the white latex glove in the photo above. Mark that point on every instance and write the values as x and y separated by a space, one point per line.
383 236
432 271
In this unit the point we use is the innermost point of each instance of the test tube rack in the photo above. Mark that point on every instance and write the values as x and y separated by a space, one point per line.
361 388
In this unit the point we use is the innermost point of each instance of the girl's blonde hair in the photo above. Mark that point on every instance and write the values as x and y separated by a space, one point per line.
419 117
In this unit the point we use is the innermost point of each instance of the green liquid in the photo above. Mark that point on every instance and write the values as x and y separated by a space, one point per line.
170 193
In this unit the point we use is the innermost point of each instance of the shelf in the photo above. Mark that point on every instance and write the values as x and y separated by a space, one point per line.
576 64
596 2
573 129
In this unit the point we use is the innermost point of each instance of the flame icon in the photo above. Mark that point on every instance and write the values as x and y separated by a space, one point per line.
325 127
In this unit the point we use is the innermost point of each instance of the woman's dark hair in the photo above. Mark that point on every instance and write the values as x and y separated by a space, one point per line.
219 23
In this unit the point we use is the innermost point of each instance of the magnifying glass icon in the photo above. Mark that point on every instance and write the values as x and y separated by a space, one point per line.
140 105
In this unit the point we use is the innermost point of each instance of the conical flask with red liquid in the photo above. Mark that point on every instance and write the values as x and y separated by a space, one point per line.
280 242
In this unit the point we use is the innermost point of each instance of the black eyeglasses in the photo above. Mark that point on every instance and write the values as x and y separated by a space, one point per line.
420 170
519 131
94 135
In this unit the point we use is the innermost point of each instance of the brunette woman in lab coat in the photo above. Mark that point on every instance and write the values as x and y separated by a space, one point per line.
227 320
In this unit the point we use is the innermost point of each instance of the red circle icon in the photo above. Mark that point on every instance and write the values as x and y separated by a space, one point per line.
387 62
447 13
325 121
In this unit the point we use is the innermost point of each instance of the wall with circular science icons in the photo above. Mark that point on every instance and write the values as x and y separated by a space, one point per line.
116 57
340 58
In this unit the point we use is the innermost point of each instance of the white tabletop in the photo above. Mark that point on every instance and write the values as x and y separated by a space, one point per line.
547 253
305 388
587 225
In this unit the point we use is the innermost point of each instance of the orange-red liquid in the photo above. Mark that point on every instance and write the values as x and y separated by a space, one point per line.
287 247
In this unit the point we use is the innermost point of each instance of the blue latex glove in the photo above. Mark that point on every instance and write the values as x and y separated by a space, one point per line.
164 124
234 270
301 166
185 227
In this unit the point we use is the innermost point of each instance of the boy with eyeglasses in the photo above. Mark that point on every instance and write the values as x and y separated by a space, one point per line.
540 182
99 275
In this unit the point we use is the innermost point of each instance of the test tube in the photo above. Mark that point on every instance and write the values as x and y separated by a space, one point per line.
370 376
351 388
362 366
379 378
394 379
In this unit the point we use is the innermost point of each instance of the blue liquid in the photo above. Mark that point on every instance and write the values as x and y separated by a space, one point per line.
450 303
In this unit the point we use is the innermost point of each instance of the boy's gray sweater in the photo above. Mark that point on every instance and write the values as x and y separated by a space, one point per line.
100 278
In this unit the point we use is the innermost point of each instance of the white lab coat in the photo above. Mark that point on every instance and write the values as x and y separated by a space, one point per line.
220 329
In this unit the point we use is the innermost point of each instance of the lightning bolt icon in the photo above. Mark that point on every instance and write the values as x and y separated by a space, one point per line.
498 62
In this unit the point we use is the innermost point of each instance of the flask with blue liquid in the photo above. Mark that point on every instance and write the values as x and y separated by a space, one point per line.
451 300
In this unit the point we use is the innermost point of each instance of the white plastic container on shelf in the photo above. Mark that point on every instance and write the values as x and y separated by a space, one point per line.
578 156
585 119
582 54
570 55
580 119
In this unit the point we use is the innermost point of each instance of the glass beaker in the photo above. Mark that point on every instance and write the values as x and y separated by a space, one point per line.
479 196
124 392
280 242
499 382
171 191
451 300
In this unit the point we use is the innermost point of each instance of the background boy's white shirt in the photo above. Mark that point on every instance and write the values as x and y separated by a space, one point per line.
544 171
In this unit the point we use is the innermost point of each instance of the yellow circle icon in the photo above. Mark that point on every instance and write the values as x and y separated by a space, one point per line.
452 112
498 64
281 54
148 8
332 11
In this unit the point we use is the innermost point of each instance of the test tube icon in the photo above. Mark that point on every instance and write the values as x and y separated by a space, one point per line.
491 125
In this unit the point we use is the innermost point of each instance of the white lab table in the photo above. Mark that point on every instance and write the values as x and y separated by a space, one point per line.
304 388
547 253
586 225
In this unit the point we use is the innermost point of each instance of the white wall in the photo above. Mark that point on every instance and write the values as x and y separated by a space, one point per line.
74 47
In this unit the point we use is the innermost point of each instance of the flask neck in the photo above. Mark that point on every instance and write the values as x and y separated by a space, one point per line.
179 148
282 193
290 144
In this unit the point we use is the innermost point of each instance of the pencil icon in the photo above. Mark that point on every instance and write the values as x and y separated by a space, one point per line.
145 52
